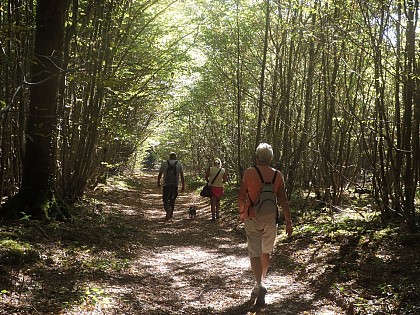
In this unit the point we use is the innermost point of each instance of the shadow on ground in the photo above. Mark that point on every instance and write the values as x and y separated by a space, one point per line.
119 256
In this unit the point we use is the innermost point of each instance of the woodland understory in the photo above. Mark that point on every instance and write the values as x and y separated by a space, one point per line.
119 256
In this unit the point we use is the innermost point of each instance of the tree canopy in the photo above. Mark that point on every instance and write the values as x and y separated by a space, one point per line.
332 85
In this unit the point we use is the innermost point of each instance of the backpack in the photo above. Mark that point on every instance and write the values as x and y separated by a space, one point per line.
171 174
265 207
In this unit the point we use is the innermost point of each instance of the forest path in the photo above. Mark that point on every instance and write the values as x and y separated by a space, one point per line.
193 266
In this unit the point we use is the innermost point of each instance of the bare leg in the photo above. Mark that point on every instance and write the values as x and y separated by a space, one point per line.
257 269
213 207
259 266
217 208
265 260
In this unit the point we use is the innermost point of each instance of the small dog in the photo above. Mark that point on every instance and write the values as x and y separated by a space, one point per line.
192 211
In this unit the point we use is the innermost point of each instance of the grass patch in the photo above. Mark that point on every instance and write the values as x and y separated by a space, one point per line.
16 252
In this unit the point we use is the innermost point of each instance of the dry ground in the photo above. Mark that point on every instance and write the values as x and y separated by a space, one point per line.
119 256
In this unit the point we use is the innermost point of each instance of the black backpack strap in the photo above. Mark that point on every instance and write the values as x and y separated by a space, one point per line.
259 173
274 177
262 181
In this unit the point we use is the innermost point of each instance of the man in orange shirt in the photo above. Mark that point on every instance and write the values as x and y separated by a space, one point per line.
261 234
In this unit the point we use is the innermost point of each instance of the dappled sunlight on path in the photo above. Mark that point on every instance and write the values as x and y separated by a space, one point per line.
195 266
120 256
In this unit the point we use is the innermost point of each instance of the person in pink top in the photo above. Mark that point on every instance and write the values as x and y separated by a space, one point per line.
261 235
216 176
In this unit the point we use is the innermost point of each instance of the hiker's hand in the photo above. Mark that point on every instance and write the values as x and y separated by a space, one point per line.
243 213
158 183
242 210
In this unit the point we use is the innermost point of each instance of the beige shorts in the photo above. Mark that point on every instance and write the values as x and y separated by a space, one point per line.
261 236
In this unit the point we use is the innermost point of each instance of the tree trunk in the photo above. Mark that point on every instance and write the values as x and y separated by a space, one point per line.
410 125
240 168
397 119
262 76
303 141
37 196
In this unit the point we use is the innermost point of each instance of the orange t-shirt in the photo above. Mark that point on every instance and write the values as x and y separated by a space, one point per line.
251 185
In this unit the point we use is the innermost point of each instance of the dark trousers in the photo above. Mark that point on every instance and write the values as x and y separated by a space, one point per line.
170 192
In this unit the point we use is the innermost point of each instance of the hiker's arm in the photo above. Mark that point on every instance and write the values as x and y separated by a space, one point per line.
242 202
182 181
225 177
206 177
284 204
159 177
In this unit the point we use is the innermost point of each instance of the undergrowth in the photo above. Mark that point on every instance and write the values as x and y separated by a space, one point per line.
363 264
366 265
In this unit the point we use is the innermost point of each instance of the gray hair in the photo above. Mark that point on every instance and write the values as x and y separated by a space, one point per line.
217 162
264 153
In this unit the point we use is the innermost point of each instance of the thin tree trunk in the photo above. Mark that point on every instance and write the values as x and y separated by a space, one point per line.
308 104
262 76
240 168
409 138
397 117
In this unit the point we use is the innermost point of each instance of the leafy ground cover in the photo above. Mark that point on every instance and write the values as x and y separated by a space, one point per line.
119 256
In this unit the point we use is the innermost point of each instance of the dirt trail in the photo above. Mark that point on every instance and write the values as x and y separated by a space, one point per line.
195 266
